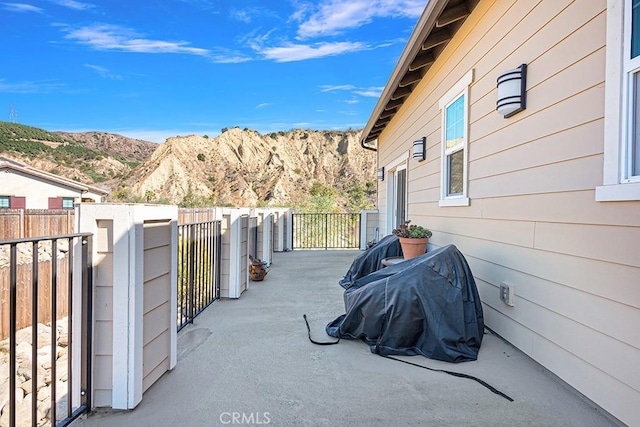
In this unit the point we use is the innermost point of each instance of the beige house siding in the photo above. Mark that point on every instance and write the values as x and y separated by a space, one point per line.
103 315
156 300
533 220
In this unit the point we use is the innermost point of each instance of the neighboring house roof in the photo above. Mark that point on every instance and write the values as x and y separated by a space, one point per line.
7 164
438 24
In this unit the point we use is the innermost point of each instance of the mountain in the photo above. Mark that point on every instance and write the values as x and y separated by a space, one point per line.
245 168
311 170
90 157
117 146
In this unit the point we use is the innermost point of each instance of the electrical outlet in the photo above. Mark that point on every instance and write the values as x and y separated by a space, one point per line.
507 293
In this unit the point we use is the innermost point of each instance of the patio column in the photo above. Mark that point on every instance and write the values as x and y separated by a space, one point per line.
368 227
135 298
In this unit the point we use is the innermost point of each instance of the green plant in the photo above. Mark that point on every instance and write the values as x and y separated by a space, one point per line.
201 157
412 231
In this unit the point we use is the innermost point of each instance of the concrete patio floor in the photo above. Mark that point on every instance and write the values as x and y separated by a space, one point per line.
249 361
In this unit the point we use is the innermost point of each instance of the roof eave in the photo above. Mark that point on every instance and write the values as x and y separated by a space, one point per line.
423 28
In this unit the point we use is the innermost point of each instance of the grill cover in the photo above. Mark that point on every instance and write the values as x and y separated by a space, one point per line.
427 306
370 260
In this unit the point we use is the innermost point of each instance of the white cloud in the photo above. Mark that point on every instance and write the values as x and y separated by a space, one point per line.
299 52
241 15
103 72
21 7
31 87
263 105
301 10
114 37
72 4
229 59
373 92
331 88
331 17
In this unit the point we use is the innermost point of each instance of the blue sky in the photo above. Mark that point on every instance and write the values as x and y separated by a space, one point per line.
151 69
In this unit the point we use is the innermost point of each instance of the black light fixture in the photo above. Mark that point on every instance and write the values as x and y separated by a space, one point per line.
381 173
420 148
512 91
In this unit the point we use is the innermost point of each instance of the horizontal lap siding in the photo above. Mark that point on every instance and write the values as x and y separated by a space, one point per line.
533 220
103 315
156 301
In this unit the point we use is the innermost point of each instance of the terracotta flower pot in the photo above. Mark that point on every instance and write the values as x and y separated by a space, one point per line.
412 247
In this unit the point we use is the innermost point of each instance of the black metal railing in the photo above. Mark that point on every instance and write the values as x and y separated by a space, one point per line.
199 252
326 230
47 309
253 236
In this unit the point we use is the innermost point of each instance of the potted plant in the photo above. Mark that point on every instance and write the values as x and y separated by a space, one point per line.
413 239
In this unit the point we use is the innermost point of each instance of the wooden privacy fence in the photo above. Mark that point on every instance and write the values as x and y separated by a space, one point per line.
25 223
24 288
191 215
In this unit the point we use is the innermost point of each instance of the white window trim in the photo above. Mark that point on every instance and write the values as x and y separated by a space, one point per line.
615 187
390 170
460 88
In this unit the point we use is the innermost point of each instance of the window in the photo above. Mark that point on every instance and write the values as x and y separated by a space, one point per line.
455 112
400 195
67 202
5 202
621 172
396 178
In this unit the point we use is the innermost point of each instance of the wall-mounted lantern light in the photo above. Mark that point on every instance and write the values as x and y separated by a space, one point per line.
381 173
420 148
512 91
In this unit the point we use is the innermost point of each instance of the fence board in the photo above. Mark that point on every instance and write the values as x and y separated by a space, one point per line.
188 215
24 294
19 223
26 223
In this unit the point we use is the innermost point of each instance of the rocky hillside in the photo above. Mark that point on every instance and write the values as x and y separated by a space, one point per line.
118 146
91 158
245 168
236 168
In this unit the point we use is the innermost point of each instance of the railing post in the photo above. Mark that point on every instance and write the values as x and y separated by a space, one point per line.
191 278
87 322
326 231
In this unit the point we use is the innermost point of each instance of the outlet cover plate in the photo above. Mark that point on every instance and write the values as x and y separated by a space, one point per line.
507 293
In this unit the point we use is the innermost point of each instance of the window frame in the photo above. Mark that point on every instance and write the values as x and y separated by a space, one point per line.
396 218
618 184
66 199
390 177
461 88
